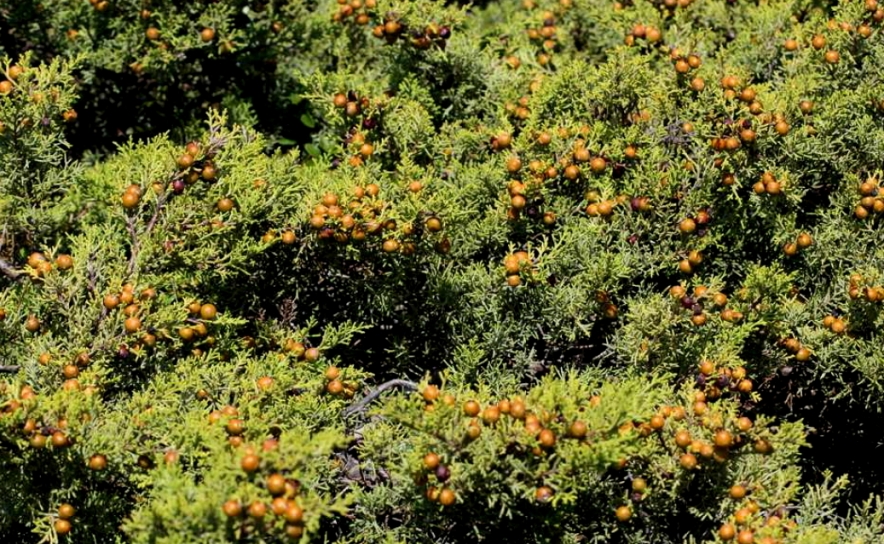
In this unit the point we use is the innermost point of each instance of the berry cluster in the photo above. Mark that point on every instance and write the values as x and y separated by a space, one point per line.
520 265
197 327
861 287
537 436
366 217
544 38
359 11
42 266
12 85
282 493
870 199
768 184
394 29
802 241
650 34
697 300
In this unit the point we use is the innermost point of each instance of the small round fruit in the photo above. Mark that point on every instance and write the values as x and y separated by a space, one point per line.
278 506
687 226
132 324
683 439
491 415
38 441
32 324
471 408
707 367
311 354
64 262
543 494
250 463
98 462
723 439
804 240
59 439
727 532
62 526
257 510
208 312
447 497
430 393
276 484
503 140
623 513
431 461
232 509
66 511
335 387
577 429
688 461
294 513
235 427
185 161
130 200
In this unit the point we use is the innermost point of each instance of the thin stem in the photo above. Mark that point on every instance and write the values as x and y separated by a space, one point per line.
368 399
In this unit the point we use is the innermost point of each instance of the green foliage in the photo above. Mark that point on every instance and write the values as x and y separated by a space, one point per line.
258 259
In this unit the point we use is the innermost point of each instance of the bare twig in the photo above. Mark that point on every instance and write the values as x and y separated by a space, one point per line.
368 399
10 369
133 257
10 271
130 226
161 201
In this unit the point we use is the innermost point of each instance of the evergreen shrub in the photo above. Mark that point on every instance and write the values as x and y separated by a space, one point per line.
368 271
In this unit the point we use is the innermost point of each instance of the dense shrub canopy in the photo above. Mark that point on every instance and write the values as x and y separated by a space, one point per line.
419 271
